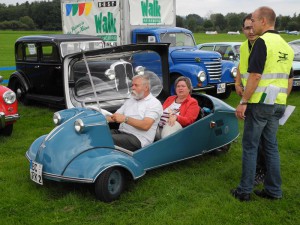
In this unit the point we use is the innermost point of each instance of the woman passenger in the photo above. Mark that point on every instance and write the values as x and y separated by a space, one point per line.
180 110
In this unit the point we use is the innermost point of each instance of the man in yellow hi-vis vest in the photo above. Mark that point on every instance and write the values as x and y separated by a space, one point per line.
263 104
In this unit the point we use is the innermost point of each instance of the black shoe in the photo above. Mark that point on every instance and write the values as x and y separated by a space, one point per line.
259 179
243 197
264 194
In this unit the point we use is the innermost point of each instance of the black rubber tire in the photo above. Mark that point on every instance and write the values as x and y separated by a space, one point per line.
19 88
110 184
7 131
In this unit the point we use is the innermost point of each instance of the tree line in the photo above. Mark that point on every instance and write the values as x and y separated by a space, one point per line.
46 15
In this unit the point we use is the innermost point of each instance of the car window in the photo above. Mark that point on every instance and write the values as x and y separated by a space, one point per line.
177 39
77 46
49 53
207 48
221 49
19 54
30 52
145 38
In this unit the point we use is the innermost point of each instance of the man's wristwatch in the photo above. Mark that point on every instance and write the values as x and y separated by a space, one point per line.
126 119
243 102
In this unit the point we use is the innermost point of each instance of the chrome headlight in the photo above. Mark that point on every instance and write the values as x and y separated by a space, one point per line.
110 73
79 125
234 71
140 70
201 76
56 118
9 97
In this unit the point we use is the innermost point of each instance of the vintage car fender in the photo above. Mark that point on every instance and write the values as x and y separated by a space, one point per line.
227 69
90 164
18 77
80 156
189 70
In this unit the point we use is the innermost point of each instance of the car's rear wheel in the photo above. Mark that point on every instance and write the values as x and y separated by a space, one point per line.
6 131
18 87
110 184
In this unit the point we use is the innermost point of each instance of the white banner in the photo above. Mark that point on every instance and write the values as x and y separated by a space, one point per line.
99 18
151 12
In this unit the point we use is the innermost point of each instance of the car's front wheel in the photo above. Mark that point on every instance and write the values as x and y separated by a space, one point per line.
110 184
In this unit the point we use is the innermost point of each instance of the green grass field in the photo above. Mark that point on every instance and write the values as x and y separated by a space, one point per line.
195 191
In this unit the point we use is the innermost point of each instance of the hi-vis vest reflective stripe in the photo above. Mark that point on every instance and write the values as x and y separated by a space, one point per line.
244 57
277 68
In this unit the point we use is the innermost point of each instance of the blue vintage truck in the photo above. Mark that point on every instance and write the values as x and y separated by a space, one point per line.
123 22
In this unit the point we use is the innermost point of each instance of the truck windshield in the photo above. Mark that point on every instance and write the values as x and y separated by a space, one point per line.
177 39
77 46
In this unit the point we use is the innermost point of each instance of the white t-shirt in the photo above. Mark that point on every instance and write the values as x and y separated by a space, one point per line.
139 109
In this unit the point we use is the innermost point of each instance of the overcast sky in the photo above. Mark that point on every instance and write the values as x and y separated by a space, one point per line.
206 7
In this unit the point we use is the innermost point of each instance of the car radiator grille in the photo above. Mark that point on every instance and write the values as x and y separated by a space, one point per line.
214 69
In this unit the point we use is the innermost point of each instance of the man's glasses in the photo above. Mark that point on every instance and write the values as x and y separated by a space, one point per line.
248 28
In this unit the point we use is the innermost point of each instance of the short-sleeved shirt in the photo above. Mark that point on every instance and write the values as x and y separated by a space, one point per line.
139 109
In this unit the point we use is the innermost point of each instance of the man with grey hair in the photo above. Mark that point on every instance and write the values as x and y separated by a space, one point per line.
138 116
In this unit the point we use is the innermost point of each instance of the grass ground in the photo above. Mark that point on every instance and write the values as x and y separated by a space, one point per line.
191 192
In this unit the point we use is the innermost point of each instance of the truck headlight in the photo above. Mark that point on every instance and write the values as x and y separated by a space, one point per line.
56 118
9 97
201 76
79 125
234 71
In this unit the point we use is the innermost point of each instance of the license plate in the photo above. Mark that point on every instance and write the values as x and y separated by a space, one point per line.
36 170
221 88
296 83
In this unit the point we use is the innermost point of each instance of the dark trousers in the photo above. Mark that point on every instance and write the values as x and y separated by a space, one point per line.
125 140
261 164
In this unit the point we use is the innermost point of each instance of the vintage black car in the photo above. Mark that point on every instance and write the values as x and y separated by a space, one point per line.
39 70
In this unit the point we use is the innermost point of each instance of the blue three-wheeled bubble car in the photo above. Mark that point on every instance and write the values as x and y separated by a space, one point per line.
80 148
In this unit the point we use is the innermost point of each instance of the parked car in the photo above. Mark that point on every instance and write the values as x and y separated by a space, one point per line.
296 47
231 50
8 110
228 50
38 76
80 148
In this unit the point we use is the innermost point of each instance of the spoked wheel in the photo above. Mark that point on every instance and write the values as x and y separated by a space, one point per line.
18 87
110 184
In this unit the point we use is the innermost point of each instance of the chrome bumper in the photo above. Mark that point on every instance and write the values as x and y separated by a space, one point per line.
5 119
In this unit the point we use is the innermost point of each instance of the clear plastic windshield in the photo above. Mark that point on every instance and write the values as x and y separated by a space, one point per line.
112 75
177 39
77 46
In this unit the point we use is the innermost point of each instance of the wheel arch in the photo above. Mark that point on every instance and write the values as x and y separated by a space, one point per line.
98 160
20 77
